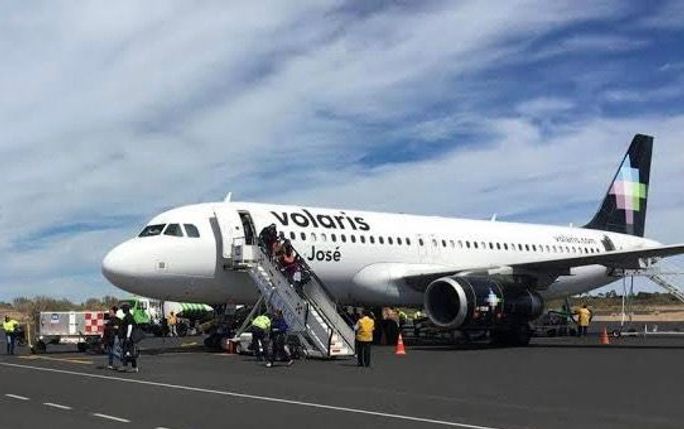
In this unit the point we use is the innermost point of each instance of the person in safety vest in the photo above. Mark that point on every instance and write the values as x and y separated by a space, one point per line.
260 326
364 338
278 341
10 328
584 317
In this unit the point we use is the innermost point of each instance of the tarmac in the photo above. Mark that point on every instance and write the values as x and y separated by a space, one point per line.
554 383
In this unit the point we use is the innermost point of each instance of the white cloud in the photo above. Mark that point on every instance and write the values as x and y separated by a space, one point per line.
120 111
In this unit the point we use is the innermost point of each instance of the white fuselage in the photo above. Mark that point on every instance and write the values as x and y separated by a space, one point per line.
360 256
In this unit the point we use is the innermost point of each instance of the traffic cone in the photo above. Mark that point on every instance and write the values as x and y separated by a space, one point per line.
400 350
605 340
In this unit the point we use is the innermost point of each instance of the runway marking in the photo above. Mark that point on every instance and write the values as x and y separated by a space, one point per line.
68 360
253 397
13 396
58 406
113 418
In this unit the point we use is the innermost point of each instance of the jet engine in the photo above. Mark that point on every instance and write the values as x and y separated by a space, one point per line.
473 302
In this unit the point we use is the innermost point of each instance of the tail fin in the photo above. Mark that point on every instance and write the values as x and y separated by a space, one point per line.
624 208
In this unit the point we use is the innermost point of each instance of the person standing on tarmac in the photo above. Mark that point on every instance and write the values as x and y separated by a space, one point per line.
171 322
364 338
10 328
129 353
109 336
278 340
260 326
584 317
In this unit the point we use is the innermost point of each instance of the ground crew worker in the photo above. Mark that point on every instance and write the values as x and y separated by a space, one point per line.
129 353
403 317
109 336
584 317
278 340
171 322
260 326
364 338
10 328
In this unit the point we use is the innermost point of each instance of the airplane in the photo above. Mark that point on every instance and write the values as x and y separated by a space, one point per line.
467 274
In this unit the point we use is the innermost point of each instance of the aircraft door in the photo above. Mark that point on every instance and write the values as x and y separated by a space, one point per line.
424 248
232 234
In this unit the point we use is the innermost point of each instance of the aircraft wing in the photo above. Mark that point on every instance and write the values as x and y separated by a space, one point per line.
625 259
551 268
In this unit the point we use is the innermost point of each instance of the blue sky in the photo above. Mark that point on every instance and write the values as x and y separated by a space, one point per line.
113 113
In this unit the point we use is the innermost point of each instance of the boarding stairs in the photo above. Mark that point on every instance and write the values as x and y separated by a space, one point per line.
667 275
309 310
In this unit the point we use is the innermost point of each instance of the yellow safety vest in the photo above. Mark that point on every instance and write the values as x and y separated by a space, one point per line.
10 326
262 322
583 316
364 329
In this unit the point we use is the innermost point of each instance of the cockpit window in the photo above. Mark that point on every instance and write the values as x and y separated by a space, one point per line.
191 230
151 230
173 229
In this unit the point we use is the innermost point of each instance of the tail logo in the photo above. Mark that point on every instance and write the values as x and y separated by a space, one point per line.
628 191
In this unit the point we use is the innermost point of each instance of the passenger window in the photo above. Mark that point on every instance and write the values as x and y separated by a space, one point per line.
498 246
292 235
380 240
372 239
434 243
333 238
505 246
468 244
352 238
343 238
475 244
313 236
443 243
152 230
534 248
399 241
491 246
548 249
420 241
460 244
174 230
191 230
408 241
303 235
389 240
452 244
362 238
324 237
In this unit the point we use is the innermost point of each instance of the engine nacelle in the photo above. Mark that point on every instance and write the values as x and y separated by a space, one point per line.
479 302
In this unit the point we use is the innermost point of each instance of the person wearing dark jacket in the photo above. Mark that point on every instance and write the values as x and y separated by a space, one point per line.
278 339
109 336
128 350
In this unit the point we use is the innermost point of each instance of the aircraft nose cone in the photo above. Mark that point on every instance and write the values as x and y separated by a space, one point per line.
119 266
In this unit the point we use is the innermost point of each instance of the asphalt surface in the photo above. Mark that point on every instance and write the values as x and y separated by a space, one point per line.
554 383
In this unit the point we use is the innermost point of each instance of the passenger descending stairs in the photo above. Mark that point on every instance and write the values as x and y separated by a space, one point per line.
312 316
